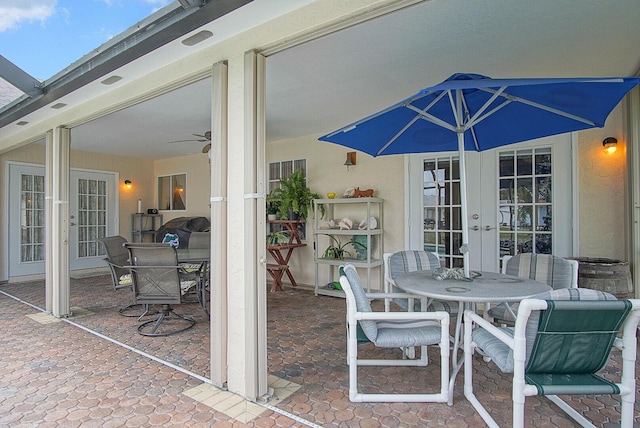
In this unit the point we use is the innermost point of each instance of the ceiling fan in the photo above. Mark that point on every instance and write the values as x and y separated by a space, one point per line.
201 139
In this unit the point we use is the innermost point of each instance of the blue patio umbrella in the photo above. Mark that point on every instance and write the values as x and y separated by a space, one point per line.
475 112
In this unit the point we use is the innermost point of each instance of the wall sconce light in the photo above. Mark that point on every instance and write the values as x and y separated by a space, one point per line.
610 145
351 160
127 183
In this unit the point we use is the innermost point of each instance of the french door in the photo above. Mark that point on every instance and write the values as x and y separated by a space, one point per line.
93 208
92 212
519 200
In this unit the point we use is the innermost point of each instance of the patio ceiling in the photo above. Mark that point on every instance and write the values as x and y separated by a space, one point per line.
318 86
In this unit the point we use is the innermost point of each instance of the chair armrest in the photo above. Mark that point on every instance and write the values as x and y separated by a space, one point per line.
441 316
135 267
492 329
372 296
110 263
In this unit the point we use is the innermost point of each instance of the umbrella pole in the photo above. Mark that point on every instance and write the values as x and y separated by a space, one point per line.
464 249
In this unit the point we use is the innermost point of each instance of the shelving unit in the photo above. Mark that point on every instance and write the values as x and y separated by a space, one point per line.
355 209
144 225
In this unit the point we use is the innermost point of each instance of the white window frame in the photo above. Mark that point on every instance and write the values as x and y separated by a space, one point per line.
172 188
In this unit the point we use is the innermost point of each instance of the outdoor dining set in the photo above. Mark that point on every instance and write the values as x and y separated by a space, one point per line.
160 275
550 336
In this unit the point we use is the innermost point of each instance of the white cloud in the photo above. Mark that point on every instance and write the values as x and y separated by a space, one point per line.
14 12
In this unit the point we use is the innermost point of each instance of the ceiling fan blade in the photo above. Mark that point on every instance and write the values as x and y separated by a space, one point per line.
206 148
188 141
206 135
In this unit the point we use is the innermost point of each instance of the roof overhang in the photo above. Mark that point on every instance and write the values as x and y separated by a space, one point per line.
162 27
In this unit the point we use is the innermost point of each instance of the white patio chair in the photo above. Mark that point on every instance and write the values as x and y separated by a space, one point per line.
557 272
391 330
560 341
401 262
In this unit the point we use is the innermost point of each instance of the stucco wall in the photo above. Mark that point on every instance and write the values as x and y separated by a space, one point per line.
326 173
139 171
601 191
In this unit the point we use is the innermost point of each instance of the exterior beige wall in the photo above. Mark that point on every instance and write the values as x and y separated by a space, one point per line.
326 173
139 171
143 174
601 191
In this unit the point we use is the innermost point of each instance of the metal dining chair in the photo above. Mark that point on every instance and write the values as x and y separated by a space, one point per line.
156 281
118 261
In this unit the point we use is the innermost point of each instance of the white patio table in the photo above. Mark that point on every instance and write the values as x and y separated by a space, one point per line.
486 287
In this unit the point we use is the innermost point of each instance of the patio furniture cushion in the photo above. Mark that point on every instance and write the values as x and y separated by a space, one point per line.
554 271
411 261
393 334
401 330
370 328
406 261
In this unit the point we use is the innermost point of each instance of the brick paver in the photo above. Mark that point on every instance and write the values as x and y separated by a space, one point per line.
59 375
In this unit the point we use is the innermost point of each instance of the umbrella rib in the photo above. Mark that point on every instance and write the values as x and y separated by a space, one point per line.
398 134
480 114
543 107
429 117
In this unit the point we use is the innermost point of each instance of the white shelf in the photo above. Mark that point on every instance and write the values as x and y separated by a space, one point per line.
371 265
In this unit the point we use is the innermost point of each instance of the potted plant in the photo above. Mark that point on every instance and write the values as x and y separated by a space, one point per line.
272 209
295 197
278 238
336 250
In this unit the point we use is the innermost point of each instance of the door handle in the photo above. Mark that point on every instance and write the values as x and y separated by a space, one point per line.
488 228
476 228
72 224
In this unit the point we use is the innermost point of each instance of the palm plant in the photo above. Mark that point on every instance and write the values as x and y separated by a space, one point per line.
293 194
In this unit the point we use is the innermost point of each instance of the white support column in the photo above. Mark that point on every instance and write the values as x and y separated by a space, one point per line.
261 215
218 268
246 241
48 227
59 233
633 184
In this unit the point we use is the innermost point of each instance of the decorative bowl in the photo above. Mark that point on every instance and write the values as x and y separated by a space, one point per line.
331 195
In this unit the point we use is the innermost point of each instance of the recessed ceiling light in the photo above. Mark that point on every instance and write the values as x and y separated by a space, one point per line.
58 106
197 38
111 80
22 123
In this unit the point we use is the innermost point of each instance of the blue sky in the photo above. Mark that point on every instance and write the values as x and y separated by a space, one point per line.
44 36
